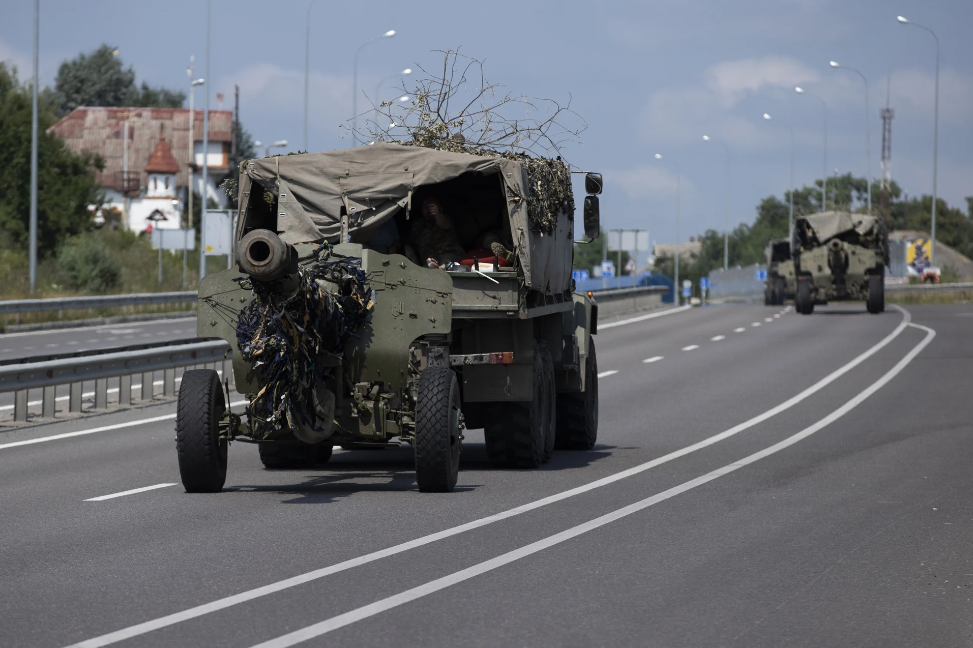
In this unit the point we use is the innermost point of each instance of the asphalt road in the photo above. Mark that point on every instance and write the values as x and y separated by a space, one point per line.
760 481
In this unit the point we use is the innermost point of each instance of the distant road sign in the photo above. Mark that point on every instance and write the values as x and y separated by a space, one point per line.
580 275
607 269
760 275
704 282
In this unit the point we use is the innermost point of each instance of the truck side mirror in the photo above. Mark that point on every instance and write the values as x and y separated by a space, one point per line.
592 217
593 183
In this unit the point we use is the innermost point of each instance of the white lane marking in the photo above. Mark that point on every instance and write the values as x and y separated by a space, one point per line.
104 428
99 328
608 373
72 341
739 330
386 604
755 324
102 498
642 318
717 338
690 347
776 315
28 347
768 319
52 345
249 595
652 359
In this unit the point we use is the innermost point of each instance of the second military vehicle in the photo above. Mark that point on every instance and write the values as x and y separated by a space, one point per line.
335 343
781 279
840 256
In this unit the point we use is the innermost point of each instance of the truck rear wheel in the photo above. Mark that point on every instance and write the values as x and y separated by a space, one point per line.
577 413
805 303
516 434
876 294
201 451
780 290
438 436
550 404
281 455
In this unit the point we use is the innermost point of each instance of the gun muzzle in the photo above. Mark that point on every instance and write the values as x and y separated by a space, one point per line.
262 255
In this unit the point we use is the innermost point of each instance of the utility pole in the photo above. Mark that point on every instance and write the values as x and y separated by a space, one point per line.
887 115
33 153
202 207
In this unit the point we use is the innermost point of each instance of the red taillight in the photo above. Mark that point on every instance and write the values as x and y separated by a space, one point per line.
506 357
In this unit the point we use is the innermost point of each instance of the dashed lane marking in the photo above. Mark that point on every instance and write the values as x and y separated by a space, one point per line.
777 316
652 359
755 324
608 373
739 330
102 498
690 347
768 319
717 338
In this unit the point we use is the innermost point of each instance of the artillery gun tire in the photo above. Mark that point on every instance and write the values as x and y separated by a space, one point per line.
201 451
550 404
438 436
876 294
577 413
768 300
781 286
805 303
281 455
515 434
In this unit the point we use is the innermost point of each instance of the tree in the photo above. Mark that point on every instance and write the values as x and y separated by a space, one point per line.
245 150
99 79
589 255
66 181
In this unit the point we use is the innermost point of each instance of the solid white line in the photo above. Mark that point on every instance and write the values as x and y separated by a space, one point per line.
739 330
652 359
386 604
102 498
607 373
642 318
98 328
690 347
104 428
717 338
249 595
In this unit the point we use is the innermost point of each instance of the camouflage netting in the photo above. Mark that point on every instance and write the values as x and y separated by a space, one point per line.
285 337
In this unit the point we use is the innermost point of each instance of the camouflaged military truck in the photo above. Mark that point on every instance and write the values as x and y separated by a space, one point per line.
840 256
781 280
337 344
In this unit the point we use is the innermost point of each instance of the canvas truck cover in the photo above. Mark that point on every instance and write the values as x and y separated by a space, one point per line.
827 225
372 183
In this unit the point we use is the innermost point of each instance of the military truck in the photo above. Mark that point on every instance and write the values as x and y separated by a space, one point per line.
781 280
840 256
337 344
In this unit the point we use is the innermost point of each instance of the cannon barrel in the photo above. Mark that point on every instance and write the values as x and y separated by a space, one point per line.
266 258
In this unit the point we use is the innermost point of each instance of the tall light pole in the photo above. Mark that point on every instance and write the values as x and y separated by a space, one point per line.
307 66
276 144
726 203
675 280
868 137
192 154
378 88
790 213
824 173
354 92
202 208
935 140
32 244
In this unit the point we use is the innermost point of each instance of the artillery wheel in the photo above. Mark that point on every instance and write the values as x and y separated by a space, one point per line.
550 404
781 290
201 451
281 455
876 294
805 303
438 435
516 434
577 413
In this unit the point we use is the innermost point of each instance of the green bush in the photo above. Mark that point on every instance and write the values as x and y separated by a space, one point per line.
86 264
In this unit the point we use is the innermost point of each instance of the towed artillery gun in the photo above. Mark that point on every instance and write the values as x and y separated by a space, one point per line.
334 343
781 280
840 256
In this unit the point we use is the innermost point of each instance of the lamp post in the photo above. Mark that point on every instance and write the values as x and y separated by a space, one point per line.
276 144
32 243
307 67
868 145
675 280
726 203
935 140
192 154
354 91
790 212
824 173
204 192
378 88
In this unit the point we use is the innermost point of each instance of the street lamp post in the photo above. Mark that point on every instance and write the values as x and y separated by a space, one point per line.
824 174
203 196
192 154
276 144
675 280
378 88
307 67
868 139
790 212
935 140
726 203
32 244
354 92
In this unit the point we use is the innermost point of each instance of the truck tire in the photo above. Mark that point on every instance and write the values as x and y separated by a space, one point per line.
438 436
805 303
550 404
768 299
201 451
281 455
876 294
577 413
515 434
781 286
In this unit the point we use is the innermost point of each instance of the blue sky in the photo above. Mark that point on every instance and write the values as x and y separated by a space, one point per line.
647 77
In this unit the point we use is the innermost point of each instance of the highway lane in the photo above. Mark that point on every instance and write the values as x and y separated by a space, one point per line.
787 550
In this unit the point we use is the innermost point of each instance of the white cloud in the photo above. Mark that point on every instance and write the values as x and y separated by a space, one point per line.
20 60
913 95
731 81
647 181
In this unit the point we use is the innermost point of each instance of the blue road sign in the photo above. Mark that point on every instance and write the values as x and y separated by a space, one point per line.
607 269
704 282
760 275
580 275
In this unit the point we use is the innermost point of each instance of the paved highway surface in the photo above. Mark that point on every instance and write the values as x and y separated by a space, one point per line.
761 479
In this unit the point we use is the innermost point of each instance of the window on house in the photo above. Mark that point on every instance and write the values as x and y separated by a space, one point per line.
155 183
167 182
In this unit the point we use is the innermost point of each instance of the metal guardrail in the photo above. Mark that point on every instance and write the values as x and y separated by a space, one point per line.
16 306
924 288
630 292
48 375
